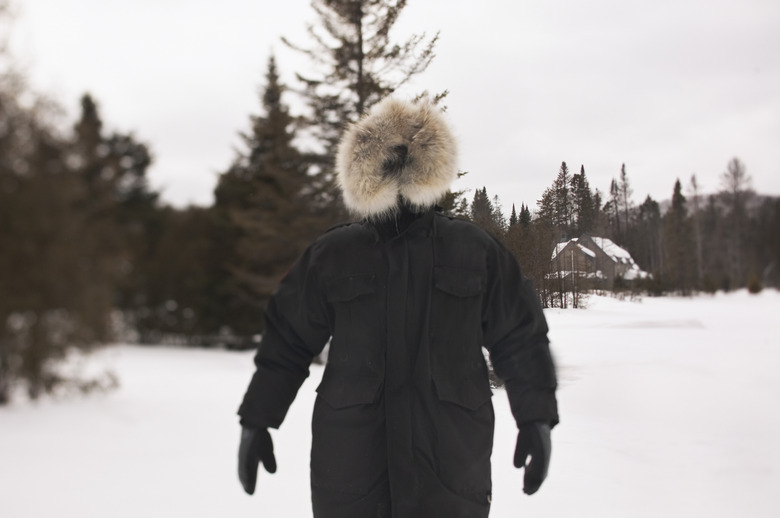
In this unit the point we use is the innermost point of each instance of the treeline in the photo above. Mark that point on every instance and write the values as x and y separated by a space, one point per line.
88 253
695 242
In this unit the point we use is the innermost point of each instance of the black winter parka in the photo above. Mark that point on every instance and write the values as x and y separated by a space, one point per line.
403 420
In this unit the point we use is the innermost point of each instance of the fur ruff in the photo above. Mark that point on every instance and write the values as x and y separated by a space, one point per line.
369 171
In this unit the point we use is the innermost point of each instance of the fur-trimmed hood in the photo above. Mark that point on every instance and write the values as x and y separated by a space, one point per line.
399 150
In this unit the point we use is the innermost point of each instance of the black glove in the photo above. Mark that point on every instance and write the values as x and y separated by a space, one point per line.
533 439
256 446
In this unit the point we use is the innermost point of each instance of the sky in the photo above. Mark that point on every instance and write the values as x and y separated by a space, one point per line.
669 88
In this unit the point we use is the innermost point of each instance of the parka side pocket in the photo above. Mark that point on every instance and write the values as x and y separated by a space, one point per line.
349 446
340 391
470 394
464 437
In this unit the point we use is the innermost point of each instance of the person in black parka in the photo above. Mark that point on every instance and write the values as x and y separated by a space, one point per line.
408 298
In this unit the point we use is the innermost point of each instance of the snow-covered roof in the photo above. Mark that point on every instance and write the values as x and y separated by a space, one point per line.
558 248
618 254
586 251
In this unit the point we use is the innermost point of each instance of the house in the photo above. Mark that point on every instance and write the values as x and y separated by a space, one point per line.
597 259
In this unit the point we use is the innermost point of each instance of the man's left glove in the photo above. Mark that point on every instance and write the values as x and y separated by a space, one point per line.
533 440
256 446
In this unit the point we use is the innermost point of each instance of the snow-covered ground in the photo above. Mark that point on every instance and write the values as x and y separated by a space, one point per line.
668 409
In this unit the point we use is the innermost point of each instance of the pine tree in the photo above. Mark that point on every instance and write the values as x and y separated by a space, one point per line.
513 217
455 203
482 209
487 214
678 264
563 201
647 251
525 216
583 208
121 205
56 278
359 65
497 215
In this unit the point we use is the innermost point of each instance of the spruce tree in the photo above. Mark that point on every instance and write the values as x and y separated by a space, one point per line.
582 204
525 216
678 243
696 217
57 277
513 217
264 193
647 252
563 201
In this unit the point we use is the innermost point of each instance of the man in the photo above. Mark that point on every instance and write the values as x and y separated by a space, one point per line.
403 421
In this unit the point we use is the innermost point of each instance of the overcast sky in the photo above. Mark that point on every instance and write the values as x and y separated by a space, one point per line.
669 87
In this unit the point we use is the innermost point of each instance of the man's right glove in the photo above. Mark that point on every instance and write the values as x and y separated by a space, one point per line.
256 446
533 439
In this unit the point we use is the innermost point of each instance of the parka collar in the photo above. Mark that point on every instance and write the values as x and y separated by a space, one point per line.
403 223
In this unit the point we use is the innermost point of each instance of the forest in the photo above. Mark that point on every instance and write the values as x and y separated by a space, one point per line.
89 253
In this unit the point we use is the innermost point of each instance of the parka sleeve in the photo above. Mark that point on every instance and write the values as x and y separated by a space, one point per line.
515 332
296 330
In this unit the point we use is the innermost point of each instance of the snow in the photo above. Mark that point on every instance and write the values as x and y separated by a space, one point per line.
558 248
620 255
668 409
586 251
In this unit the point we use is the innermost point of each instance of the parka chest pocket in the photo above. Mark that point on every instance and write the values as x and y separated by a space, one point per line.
457 300
358 310
458 282
456 324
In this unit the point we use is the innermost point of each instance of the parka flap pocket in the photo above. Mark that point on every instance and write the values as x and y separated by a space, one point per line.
339 392
469 394
348 287
458 282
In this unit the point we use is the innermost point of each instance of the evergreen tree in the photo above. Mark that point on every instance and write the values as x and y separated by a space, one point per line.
555 205
513 217
583 208
525 216
487 214
497 215
678 243
481 208
359 64
264 195
57 286
563 201
647 251
121 206
455 203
